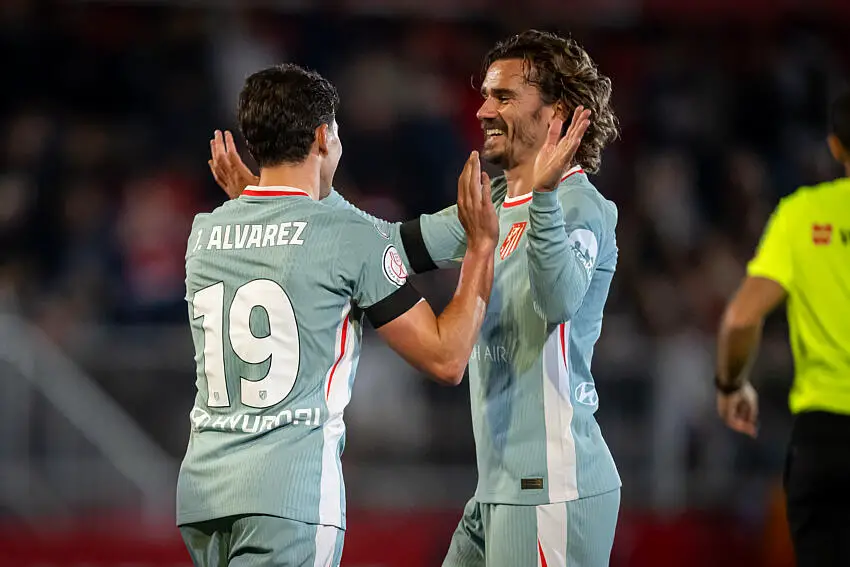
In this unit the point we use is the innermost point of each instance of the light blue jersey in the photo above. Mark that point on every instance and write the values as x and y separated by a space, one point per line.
533 395
276 301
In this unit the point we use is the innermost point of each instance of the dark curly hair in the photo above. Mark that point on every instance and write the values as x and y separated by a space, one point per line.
279 111
563 71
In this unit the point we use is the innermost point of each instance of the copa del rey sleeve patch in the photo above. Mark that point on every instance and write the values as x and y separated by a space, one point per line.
394 268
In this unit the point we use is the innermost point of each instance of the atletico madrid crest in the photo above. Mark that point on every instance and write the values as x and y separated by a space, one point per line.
512 239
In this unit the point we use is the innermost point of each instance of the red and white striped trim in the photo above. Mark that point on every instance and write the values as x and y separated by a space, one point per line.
523 199
342 342
541 560
558 416
552 535
563 334
572 171
274 191
516 201
337 395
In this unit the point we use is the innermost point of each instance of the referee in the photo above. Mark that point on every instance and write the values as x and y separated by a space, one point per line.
804 257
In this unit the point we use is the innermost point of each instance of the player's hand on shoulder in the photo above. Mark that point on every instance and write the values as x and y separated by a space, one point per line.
227 167
475 207
557 153
739 410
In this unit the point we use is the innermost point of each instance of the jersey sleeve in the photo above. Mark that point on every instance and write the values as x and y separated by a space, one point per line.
565 230
380 286
442 236
773 256
337 201
406 237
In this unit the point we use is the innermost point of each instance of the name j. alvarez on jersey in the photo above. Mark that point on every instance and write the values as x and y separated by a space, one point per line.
245 236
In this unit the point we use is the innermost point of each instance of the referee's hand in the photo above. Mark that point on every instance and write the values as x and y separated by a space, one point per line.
740 410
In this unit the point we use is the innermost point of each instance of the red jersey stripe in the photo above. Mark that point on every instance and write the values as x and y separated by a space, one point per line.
524 199
542 557
563 350
255 193
339 358
571 173
516 203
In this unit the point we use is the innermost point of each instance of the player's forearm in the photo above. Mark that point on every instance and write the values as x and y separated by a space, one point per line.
558 276
737 345
741 328
459 323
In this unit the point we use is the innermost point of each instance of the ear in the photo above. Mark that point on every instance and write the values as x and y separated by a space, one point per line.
837 149
561 111
322 139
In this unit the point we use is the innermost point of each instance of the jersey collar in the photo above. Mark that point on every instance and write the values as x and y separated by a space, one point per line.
522 199
274 191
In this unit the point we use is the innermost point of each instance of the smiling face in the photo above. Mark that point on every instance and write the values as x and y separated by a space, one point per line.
513 116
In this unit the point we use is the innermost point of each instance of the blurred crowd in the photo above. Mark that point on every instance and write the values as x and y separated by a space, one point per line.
105 118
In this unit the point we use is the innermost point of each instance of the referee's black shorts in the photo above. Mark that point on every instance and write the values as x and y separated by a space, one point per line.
817 489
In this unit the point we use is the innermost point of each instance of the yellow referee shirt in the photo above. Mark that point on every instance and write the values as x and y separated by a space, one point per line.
806 249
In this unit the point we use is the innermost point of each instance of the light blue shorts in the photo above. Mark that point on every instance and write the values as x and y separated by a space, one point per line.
579 533
262 541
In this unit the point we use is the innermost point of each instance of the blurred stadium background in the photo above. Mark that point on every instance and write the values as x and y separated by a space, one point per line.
105 115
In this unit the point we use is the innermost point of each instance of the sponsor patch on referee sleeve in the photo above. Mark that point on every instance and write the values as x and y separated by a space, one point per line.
394 269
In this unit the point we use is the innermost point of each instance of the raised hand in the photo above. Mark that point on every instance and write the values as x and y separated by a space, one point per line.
556 155
475 207
740 410
227 167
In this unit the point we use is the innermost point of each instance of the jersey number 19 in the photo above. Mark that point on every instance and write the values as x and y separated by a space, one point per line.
281 345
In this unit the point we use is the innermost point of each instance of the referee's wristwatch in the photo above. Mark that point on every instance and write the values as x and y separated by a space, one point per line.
726 389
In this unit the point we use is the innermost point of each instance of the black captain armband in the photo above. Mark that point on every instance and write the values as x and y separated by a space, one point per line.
392 306
414 246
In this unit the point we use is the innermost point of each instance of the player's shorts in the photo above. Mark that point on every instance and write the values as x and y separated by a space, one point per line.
579 533
254 541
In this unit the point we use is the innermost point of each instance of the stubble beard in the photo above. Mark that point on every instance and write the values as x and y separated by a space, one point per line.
521 137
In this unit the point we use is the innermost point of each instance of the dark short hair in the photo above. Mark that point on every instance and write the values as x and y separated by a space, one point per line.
839 118
563 71
279 111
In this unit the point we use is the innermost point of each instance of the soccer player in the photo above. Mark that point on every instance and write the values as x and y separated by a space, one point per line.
277 286
804 258
548 489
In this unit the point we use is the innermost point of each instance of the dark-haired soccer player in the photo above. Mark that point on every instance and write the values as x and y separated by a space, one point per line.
804 258
548 490
277 286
